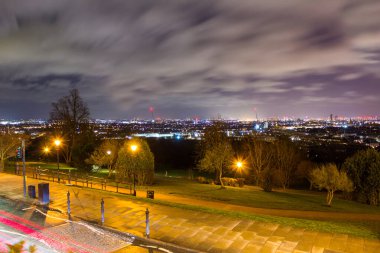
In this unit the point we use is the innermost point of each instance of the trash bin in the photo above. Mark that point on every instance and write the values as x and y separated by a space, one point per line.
150 194
43 193
32 191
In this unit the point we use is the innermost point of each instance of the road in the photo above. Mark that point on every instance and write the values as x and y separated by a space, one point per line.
51 231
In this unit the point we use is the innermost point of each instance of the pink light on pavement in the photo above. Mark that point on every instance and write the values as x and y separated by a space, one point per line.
50 234
39 236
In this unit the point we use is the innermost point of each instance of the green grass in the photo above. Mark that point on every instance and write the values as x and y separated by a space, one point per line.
52 166
255 197
369 230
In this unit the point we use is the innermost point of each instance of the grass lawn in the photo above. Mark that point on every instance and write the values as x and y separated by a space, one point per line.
255 197
53 166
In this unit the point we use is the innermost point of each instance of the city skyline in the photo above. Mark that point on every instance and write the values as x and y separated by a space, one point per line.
189 59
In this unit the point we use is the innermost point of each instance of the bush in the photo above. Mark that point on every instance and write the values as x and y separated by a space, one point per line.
229 181
201 180
240 182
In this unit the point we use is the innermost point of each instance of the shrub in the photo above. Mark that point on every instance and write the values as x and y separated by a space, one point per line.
240 182
210 181
201 180
229 181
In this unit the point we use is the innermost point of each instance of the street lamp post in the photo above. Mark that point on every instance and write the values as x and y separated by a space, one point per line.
57 143
134 150
23 166
109 161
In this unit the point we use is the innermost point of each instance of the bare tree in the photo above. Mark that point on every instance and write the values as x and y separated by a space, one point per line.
304 169
217 151
71 116
8 145
259 157
287 157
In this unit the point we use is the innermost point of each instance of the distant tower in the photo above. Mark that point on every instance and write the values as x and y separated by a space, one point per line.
331 118
255 109
151 110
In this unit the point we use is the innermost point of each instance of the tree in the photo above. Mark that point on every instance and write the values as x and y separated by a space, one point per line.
328 177
135 162
105 155
287 157
304 169
216 151
259 157
83 147
8 145
71 116
364 170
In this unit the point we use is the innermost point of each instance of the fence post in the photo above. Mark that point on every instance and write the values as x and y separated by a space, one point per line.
102 210
147 229
68 203
117 186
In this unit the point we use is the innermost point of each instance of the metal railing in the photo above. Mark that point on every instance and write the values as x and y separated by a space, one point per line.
77 179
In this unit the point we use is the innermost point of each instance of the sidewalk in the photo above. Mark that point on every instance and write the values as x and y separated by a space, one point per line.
192 229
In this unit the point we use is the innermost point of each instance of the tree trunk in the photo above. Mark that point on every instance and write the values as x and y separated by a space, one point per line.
257 181
109 170
329 198
221 181
373 198
2 162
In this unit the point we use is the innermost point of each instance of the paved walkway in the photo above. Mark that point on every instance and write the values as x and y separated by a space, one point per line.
318 215
192 229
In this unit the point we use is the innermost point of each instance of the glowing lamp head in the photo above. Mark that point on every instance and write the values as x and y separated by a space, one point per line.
57 142
109 152
239 164
134 148
46 150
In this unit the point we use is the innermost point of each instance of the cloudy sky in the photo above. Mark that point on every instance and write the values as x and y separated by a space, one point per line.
285 58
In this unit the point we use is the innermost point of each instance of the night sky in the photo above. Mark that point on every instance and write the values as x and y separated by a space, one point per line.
191 58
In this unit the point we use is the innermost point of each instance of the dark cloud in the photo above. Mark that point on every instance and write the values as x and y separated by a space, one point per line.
191 57
38 83
325 35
